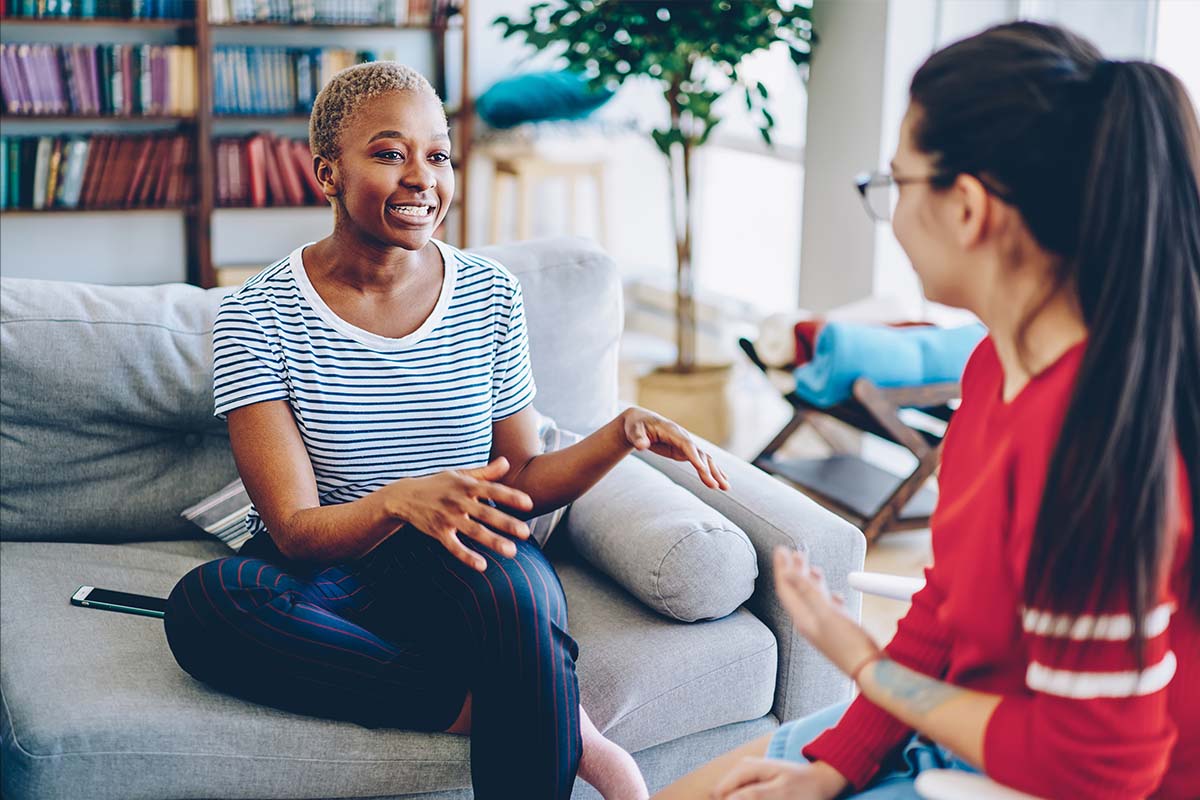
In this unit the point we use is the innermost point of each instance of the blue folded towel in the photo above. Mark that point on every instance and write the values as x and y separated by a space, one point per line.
891 357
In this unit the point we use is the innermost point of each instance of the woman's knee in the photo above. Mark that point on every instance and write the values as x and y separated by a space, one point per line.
524 595
207 604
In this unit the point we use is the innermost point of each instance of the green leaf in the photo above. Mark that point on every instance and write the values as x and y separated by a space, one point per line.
769 118
762 90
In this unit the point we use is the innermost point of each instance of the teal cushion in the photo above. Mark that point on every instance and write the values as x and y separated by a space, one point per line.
539 96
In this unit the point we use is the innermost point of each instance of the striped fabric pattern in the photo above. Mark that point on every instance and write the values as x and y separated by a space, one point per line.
223 514
373 409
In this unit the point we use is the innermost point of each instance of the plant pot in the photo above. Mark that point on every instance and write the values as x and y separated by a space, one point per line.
697 400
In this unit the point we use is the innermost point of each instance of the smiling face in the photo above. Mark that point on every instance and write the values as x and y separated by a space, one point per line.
392 181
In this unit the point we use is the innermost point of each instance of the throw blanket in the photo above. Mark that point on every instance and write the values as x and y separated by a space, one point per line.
891 357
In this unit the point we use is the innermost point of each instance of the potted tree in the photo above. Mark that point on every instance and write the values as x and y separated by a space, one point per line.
694 50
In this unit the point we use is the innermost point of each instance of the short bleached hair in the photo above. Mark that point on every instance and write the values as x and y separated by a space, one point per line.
347 91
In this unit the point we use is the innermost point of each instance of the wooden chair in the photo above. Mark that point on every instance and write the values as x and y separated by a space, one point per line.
872 498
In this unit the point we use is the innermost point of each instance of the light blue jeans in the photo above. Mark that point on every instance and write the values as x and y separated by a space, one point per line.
894 782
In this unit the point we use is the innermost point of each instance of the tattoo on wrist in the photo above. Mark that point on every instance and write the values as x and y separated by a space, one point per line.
920 692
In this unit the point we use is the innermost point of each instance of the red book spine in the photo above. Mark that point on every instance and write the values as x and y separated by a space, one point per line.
256 166
274 179
287 169
139 170
148 189
97 154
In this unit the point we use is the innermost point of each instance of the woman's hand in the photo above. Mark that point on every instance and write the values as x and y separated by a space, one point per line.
446 504
773 779
645 430
821 617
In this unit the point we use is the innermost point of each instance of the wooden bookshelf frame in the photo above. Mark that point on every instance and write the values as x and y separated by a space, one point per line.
199 33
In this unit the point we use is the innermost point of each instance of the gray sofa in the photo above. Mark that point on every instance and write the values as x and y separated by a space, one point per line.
106 434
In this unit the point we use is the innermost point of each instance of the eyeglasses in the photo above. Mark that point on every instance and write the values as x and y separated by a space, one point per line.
880 192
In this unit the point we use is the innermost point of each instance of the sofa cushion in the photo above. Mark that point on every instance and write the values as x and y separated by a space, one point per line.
106 396
92 703
662 543
106 391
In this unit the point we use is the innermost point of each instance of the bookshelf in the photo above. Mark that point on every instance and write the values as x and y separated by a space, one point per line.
205 128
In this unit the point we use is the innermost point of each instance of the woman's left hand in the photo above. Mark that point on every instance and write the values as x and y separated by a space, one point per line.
645 430
776 779
820 616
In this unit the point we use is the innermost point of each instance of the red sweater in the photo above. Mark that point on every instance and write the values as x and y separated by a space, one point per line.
1075 721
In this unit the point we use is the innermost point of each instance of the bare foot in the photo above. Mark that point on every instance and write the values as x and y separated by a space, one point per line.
607 767
603 764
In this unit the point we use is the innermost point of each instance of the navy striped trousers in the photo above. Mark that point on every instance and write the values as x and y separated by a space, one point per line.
396 639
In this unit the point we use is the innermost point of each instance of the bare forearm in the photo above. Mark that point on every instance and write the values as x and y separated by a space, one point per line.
555 479
337 532
950 715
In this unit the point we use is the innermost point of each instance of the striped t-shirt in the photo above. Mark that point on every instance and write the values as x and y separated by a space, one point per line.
373 409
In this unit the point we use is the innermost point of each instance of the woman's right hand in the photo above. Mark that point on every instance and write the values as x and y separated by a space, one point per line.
446 504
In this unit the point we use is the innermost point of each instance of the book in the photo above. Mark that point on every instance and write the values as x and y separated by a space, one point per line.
72 184
275 190
293 189
257 169
52 176
140 167
159 151
173 195
41 170
91 174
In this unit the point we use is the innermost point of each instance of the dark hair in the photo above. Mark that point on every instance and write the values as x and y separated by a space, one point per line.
1102 159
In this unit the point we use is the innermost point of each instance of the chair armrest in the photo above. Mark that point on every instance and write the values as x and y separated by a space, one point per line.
894 587
948 784
774 514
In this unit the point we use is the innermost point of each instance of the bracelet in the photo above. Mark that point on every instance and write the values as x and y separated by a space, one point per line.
866 662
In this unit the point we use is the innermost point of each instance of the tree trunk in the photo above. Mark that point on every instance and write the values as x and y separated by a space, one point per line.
681 214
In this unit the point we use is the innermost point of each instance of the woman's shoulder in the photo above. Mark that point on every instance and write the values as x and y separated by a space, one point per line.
263 290
474 269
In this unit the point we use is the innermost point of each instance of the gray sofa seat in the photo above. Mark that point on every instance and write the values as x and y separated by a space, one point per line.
101 691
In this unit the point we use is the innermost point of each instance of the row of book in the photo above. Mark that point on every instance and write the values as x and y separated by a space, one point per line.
98 79
98 9
276 80
265 170
331 12
101 171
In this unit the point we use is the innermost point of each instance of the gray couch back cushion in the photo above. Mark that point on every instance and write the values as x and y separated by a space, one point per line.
106 426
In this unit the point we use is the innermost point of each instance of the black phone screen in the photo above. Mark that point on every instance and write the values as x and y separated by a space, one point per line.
157 604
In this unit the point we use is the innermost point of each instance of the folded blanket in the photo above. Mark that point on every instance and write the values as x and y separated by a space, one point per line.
890 357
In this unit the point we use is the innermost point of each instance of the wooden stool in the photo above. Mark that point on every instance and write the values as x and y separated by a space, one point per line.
526 171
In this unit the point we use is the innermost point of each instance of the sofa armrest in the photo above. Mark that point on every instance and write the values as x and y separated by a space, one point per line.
772 514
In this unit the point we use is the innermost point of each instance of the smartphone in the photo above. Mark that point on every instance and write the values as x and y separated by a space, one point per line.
124 602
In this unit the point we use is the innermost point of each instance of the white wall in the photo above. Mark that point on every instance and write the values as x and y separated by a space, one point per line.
858 92
845 120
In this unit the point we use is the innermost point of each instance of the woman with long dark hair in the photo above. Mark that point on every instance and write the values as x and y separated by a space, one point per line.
1056 644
